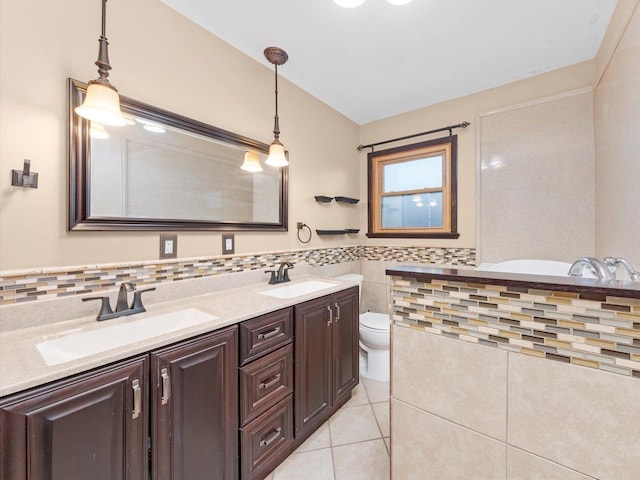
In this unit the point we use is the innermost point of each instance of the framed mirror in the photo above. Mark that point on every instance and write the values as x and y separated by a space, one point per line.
163 171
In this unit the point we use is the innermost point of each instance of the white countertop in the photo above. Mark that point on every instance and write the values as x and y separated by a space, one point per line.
23 367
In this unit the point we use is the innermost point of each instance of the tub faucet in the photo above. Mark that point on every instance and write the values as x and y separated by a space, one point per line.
613 263
594 265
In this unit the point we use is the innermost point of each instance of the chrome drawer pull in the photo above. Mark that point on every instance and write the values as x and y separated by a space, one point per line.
166 386
269 334
271 382
330 315
337 312
137 399
272 438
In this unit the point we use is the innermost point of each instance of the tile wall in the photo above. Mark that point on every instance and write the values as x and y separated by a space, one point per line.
47 283
581 329
528 384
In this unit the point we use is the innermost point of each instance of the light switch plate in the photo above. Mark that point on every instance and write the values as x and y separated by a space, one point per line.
228 244
168 246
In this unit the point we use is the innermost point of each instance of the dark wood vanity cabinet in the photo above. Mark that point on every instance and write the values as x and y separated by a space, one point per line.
195 408
326 357
266 393
345 342
233 403
96 425
91 426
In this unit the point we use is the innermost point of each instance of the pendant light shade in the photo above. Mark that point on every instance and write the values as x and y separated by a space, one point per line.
101 103
251 162
277 157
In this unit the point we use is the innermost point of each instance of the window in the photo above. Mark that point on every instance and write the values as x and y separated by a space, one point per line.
412 190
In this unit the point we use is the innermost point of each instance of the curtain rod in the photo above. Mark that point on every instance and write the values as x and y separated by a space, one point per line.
451 127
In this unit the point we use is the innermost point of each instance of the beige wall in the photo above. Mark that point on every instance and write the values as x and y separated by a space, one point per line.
617 121
454 112
536 190
513 415
161 58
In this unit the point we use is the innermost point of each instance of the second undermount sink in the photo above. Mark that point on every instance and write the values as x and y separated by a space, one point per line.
297 289
77 345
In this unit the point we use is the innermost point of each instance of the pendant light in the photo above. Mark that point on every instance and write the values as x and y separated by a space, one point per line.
101 103
251 162
276 157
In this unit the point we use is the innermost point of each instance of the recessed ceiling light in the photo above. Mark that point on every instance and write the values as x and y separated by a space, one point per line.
349 3
398 2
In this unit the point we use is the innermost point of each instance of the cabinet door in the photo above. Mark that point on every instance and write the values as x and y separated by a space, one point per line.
345 343
195 408
312 362
92 426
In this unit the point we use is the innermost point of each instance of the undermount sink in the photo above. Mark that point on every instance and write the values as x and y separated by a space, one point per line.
82 344
297 289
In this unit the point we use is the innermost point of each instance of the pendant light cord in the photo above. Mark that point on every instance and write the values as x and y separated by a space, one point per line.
103 53
276 121
104 18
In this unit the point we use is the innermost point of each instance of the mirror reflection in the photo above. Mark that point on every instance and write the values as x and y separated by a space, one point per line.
165 171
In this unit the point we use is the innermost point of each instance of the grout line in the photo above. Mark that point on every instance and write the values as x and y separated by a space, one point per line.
377 421
506 420
359 441
527 452
329 428
445 419
333 463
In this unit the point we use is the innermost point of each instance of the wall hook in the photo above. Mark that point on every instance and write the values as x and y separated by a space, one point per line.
24 178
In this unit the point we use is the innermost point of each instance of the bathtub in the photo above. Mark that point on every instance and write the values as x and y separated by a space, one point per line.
533 267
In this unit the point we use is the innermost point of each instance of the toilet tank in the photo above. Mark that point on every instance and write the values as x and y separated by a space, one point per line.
353 277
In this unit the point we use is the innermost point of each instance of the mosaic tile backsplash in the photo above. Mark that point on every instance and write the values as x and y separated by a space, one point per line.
38 284
448 256
560 326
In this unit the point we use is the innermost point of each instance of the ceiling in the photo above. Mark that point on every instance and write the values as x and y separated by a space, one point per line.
379 59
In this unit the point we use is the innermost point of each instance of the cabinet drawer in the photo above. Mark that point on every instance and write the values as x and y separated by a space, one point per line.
266 441
265 334
265 382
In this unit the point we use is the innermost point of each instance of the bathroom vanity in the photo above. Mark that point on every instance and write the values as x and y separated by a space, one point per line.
221 398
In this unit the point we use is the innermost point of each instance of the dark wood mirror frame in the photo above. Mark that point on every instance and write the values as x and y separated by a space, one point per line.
80 217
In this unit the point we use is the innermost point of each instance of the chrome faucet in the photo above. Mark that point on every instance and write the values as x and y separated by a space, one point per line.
613 263
594 265
281 275
122 306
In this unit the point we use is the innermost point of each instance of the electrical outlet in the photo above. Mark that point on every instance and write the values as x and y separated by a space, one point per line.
228 244
168 246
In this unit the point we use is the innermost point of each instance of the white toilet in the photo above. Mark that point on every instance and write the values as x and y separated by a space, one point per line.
374 339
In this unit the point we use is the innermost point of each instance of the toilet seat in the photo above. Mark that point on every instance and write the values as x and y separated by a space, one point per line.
375 321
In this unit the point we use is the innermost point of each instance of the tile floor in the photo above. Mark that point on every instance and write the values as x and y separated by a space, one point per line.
352 445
